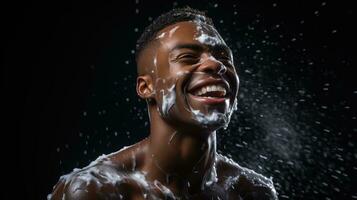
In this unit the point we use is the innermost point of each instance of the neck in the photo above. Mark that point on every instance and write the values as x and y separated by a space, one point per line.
179 160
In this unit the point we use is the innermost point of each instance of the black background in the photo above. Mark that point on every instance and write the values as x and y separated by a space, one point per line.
73 77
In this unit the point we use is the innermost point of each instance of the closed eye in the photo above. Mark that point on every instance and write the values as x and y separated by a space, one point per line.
188 58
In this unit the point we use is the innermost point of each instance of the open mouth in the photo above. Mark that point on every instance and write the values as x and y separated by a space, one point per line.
210 91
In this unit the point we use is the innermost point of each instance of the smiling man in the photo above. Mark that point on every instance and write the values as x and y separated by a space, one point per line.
187 76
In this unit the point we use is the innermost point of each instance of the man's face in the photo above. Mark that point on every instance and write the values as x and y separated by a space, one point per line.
195 81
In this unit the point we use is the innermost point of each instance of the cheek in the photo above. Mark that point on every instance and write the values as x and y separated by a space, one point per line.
170 87
165 94
233 79
238 82
236 78
163 85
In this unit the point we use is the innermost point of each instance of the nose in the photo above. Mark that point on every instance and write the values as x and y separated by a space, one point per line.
211 65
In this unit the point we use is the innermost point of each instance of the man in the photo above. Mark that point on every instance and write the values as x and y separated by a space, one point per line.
187 76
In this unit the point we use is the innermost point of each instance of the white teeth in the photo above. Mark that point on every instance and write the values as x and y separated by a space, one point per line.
210 88
214 88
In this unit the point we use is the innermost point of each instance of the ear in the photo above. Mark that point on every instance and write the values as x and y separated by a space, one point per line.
145 87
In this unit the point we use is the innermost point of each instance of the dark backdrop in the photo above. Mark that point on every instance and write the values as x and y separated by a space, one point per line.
74 96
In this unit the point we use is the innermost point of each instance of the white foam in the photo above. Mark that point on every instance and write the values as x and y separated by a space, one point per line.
172 137
172 31
256 178
168 99
155 62
161 35
165 191
210 177
104 174
210 118
207 39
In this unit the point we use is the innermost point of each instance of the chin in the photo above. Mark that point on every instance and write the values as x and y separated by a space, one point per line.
214 126
209 122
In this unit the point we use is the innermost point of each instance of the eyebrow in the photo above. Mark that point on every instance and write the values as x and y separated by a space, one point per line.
199 47
195 47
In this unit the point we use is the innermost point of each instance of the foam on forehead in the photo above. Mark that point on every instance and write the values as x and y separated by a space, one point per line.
167 19
198 19
190 31
207 34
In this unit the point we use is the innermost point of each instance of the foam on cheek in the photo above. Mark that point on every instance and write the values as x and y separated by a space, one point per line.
168 99
169 95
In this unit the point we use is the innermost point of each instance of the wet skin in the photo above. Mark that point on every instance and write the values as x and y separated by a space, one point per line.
178 159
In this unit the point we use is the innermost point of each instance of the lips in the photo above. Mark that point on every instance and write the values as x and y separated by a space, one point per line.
216 90
209 89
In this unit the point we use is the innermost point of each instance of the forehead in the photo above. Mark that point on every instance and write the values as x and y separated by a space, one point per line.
189 32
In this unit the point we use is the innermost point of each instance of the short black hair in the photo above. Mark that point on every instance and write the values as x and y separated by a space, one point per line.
169 18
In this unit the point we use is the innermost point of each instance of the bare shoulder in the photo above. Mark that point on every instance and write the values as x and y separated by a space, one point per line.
244 182
105 178
97 181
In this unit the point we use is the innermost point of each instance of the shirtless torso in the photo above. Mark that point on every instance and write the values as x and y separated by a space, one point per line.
120 176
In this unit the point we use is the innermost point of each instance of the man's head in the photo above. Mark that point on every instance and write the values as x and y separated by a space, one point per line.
186 71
